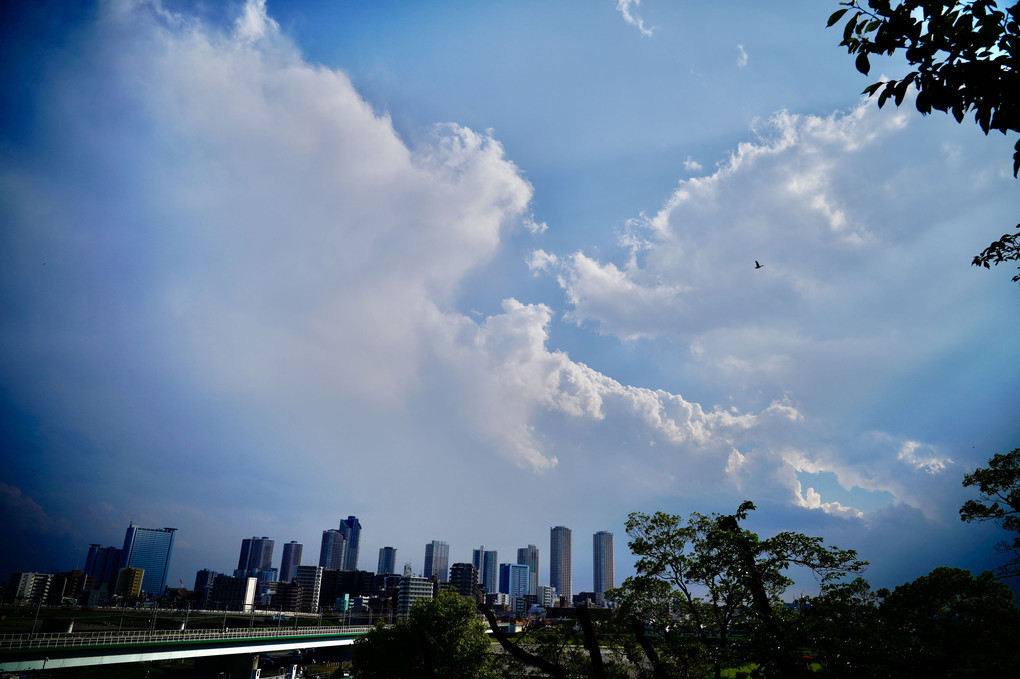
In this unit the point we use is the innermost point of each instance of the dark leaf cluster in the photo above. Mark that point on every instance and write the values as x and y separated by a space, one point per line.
1005 249
948 623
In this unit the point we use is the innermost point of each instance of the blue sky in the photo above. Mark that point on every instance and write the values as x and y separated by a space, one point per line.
472 270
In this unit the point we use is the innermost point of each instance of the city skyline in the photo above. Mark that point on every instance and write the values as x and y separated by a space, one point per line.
256 557
269 264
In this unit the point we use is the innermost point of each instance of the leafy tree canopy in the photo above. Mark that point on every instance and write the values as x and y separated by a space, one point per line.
442 637
949 623
722 584
966 60
999 486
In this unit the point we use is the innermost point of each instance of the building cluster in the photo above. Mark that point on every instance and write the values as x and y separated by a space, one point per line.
139 567
334 585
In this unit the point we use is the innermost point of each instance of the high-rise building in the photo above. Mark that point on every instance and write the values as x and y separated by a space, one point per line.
310 580
290 560
331 553
476 561
437 560
256 559
464 578
103 564
529 557
350 528
487 565
602 563
560 559
411 589
513 579
288 595
204 579
149 549
387 561
336 584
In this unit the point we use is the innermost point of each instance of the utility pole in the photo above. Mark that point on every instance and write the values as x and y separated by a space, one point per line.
36 619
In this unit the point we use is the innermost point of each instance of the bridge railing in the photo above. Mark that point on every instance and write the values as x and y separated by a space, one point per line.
83 639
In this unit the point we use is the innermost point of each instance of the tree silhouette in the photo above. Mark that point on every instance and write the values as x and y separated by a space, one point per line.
999 485
965 60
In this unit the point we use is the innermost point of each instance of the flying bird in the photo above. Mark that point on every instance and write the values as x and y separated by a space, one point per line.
757 265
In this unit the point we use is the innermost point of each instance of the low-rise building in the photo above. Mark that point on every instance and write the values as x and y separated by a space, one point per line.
129 582
231 593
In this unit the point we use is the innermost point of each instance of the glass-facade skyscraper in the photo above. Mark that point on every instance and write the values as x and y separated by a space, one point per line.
149 549
437 560
350 528
331 552
513 579
290 560
485 562
529 557
602 561
103 564
387 561
560 559
256 559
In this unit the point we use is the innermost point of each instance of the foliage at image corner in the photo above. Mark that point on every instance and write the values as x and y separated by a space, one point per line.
965 56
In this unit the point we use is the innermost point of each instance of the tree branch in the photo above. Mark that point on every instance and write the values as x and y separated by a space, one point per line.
518 653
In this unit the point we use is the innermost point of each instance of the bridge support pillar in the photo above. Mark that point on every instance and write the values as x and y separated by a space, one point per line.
238 666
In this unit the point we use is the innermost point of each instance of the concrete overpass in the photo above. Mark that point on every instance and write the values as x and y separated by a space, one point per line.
25 652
